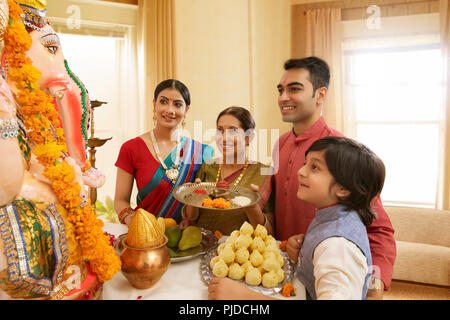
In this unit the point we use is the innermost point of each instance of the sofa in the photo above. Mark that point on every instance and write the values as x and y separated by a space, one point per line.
423 245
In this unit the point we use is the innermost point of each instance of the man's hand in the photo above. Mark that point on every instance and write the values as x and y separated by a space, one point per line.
294 245
254 212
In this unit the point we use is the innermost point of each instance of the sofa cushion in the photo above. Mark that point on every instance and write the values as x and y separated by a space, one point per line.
424 263
420 225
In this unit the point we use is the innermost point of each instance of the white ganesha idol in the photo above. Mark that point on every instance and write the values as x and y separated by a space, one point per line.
40 256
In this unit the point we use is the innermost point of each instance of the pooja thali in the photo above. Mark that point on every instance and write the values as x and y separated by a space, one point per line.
193 194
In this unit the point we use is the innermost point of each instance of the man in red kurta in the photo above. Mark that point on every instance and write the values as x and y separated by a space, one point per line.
302 93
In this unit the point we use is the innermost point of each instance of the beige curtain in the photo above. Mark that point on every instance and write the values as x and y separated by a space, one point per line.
156 38
323 39
445 40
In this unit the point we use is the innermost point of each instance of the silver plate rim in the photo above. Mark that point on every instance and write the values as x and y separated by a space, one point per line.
233 188
288 269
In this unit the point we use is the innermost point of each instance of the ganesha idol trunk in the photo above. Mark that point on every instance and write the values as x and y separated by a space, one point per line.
143 253
144 267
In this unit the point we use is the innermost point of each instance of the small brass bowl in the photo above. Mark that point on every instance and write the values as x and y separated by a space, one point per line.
220 193
143 267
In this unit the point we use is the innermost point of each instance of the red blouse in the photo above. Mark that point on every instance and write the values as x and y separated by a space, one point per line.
136 159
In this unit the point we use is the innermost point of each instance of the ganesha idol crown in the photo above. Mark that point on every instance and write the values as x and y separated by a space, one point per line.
34 13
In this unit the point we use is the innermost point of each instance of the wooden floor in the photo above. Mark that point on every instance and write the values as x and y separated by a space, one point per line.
402 290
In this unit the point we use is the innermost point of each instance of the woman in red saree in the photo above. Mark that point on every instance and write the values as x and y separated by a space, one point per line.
159 160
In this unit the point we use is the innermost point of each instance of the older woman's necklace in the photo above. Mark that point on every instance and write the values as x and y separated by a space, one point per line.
238 178
171 173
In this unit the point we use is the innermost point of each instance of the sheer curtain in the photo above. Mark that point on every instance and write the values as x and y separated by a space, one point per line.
156 40
323 39
133 111
445 41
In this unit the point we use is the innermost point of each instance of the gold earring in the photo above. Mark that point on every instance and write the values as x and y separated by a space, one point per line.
183 122
154 119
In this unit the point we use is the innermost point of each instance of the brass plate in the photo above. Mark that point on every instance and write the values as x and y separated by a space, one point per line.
185 194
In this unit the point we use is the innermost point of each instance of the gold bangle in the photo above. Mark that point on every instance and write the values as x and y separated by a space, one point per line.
125 213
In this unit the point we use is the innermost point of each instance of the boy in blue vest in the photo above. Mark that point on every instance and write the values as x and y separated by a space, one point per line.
340 177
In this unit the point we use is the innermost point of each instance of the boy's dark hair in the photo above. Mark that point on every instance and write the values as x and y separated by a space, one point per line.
174 84
319 71
241 114
356 168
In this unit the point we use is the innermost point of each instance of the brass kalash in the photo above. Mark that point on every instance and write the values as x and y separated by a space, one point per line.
143 252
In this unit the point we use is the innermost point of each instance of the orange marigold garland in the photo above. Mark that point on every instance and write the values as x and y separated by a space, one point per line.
44 131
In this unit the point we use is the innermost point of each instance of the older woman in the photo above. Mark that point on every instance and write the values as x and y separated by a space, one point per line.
159 160
235 130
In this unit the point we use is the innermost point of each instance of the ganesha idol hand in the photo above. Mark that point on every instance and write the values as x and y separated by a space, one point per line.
76 168
37 186
93 178
12 164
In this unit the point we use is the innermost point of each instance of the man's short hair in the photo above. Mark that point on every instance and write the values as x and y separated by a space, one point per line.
319 71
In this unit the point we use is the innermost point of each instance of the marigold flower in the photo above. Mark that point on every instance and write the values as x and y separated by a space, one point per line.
288 290
283 245
47 154
219 203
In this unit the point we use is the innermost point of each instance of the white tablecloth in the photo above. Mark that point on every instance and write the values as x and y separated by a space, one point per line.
182 281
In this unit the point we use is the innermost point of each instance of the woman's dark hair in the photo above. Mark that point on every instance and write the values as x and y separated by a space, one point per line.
174 84
356 168
243 115
319 71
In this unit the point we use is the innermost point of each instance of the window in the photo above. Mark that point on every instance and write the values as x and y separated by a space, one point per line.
394 92
100 41
95 62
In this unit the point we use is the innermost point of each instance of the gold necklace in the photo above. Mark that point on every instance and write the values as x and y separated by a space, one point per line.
240 176
173 173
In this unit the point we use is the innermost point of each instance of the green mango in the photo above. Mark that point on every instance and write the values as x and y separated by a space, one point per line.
173 235
189 252
172 253
190 238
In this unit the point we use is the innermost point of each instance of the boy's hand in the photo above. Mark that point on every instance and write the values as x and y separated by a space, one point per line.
294 245
228 289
